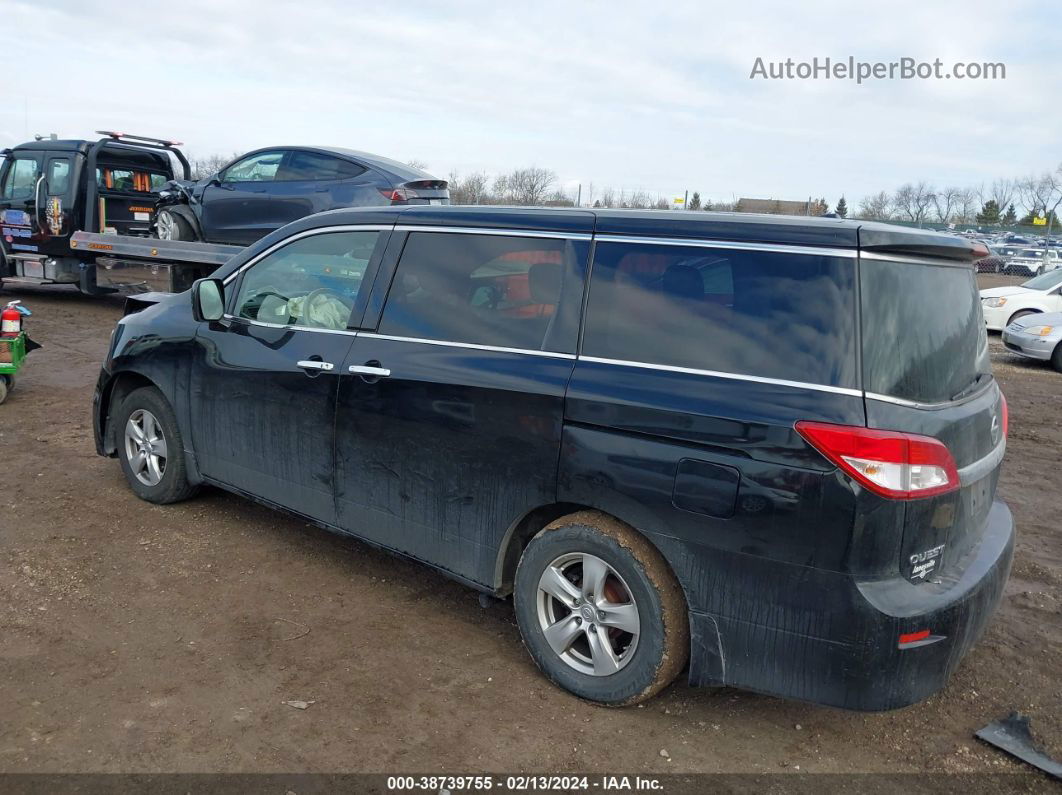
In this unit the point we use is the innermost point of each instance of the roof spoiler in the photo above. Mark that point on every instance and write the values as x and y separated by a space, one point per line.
903 241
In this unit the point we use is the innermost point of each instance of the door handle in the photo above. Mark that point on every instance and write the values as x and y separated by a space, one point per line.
369 370
311 364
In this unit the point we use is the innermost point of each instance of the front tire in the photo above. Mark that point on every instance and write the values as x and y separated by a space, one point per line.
150 447
1020 315
1056 358
600 611
172 226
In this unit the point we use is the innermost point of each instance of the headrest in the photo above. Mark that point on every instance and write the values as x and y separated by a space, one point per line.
683 281
544 282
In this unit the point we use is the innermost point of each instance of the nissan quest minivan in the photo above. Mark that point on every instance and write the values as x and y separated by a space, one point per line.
762 450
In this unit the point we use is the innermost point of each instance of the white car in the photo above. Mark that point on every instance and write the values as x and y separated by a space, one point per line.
1003 305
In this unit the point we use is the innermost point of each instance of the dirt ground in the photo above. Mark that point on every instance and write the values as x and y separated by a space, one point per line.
143 638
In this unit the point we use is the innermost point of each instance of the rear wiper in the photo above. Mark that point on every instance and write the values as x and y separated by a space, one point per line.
972 387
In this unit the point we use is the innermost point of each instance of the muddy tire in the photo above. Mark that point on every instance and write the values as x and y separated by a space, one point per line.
1056 358
618 646
150 448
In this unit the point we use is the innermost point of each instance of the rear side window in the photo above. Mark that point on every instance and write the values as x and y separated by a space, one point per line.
924 337
313 282
481 289
314 166
58 176
765 314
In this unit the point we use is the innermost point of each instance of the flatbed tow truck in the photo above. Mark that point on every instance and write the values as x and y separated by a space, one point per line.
80 212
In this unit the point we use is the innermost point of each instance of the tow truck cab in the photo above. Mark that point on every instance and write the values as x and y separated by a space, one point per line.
51 188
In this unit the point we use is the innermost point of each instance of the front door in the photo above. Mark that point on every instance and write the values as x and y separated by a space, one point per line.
236 208
448 428
265 379
21 182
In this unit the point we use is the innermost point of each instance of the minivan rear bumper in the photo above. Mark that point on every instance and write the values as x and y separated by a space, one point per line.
873 672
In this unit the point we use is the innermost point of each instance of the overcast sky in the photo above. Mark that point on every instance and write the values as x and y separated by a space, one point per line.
638 96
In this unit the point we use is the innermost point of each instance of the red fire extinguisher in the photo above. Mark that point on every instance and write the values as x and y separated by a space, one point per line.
10 321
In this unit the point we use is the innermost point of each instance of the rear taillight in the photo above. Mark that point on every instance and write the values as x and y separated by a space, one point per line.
398 194
891 464
1006 414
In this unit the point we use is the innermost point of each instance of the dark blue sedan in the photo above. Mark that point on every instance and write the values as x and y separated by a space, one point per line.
268 188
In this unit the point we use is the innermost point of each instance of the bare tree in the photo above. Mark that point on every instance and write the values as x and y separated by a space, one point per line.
203 167
913 200
469 190
420 165
1001 191
525 186
944 201
608 198
967 206
877 207
1042 194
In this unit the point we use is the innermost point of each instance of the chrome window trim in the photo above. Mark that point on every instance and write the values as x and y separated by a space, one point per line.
496 231
971 473
320 230
775 248
289 327
910 260
944 404
471 345
837 390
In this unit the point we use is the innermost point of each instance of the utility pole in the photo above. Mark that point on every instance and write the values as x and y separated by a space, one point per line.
579 198
686 199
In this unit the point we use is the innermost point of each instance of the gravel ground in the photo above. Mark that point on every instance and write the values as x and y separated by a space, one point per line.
143 638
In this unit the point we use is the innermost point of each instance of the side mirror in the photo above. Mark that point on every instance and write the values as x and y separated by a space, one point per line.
214 182
208 299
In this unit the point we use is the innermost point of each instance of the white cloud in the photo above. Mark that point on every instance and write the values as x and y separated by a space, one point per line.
630 95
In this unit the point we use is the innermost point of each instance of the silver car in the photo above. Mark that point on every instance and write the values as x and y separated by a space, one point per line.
1037 336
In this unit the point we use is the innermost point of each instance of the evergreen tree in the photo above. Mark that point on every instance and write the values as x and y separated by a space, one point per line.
1051 218
989 214
842 208
695 201
1010 217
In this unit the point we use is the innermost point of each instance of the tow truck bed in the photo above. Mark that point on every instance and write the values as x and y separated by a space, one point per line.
141 264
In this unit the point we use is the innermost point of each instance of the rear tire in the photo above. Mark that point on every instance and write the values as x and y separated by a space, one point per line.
150 447
4 388
619 646
173 226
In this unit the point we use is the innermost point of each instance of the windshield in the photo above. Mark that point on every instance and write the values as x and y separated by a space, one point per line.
1031 253
924 337
1045 281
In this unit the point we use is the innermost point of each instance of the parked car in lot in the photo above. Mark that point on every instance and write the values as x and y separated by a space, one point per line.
1003 305
993 262
1037 336
1032 261
767 446
267 188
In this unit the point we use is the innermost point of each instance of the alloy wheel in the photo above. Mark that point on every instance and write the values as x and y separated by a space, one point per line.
587 614
145 447
164 226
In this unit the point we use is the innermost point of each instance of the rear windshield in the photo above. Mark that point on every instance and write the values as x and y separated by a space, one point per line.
924 336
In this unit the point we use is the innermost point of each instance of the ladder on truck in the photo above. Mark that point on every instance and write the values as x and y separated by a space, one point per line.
143 264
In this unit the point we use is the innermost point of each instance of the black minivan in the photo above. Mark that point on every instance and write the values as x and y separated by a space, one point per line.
758 448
